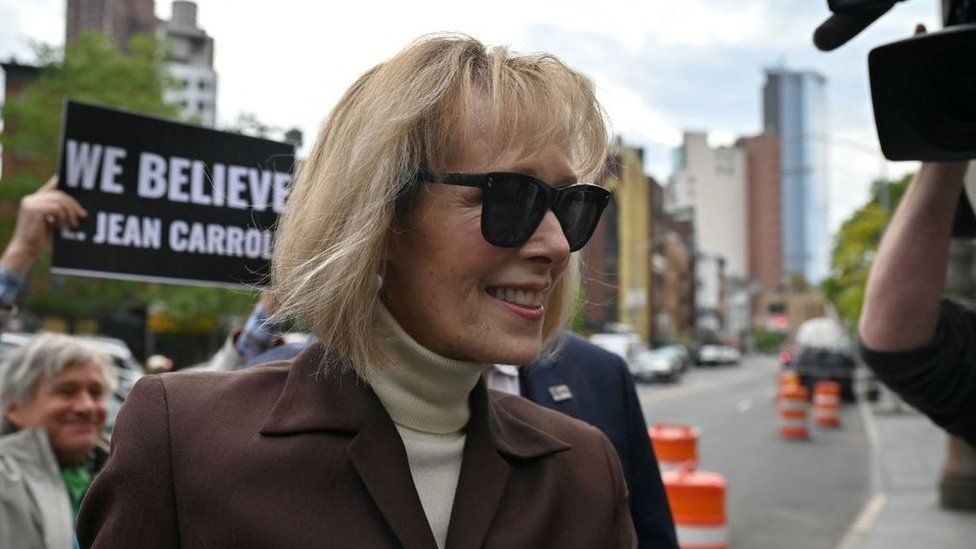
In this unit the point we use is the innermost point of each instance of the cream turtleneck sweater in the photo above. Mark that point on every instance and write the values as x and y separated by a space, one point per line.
426 395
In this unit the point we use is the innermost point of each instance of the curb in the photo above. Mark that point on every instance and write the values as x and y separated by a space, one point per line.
864 524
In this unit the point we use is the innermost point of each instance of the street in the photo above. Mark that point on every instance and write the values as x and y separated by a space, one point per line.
796 494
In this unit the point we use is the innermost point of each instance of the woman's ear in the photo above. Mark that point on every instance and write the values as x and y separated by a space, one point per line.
17 414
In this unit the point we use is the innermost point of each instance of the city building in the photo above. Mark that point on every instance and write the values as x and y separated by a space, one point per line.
795 109
599 281
672 274
190 54
709 185
710 276
764 224
117 19
632 194
786 311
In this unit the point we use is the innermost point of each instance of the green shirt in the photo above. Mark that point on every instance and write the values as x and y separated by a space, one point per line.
77 480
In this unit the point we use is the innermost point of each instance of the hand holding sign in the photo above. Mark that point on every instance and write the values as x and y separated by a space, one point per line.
39 215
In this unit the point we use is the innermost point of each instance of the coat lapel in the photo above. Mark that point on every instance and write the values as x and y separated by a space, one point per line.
379 457
493 435
336 399
482 480
333 398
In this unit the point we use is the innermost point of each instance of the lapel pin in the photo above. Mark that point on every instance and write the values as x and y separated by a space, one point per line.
560 393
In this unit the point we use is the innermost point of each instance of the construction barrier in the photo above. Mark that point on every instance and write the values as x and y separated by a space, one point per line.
674 445
826 403
792 407
697 500
787 378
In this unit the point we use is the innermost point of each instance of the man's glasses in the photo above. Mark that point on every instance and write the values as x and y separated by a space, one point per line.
513 205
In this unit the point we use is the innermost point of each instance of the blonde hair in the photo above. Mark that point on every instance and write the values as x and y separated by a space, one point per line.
402 117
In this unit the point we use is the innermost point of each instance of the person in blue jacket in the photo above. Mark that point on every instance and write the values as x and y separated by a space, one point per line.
594 385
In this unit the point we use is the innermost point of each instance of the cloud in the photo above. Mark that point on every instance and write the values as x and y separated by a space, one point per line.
660 67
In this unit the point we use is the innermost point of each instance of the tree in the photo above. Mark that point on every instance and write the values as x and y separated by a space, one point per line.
855 246
92 69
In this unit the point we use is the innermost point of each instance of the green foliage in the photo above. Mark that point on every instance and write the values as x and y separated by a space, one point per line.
90 69
248 123
855 246
185 304
576 321
768 341
93 70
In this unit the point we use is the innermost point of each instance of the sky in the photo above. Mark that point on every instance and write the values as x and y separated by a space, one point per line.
660 67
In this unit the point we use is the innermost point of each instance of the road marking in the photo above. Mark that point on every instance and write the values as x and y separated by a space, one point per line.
744 405
864 523
681 392
866 519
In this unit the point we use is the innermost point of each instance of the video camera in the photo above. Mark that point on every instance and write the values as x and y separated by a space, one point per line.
923 88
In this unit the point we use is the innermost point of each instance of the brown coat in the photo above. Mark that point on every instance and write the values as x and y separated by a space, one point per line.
276 457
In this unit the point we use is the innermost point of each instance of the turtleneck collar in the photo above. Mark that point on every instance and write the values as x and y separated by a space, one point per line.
420 389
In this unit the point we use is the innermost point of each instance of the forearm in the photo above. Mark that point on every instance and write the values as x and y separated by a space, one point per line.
907 279
18 259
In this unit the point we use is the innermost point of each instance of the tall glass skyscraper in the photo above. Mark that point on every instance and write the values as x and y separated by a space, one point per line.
795 108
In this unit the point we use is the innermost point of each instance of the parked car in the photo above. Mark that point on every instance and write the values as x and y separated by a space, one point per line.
718 354
626 345
665 363
127 370
683 353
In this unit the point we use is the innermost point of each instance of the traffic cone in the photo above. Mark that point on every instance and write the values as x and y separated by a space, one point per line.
792 408
826 403
674 445
697 500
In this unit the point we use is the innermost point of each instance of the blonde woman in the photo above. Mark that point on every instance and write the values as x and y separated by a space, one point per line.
429 234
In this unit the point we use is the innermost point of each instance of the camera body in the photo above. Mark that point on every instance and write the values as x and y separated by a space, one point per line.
923 88
924 95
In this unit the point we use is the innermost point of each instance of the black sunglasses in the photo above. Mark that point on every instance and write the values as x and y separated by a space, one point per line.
513 205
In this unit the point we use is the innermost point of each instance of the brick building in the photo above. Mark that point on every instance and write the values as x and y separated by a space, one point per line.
118 19
764 223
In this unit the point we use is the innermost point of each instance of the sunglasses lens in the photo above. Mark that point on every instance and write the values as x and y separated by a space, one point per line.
579 211
512 209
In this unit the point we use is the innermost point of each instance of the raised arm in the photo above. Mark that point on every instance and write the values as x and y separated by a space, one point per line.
40 213
901 302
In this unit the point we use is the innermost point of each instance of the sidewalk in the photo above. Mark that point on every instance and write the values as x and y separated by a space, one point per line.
908 455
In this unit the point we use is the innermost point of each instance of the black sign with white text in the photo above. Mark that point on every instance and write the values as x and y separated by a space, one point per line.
168 202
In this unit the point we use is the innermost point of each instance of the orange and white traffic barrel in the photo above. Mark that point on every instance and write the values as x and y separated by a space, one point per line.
697 500
784 380
826 403
787 378
674 445
792 408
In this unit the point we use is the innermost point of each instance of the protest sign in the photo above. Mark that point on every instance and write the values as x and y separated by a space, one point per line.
168 202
